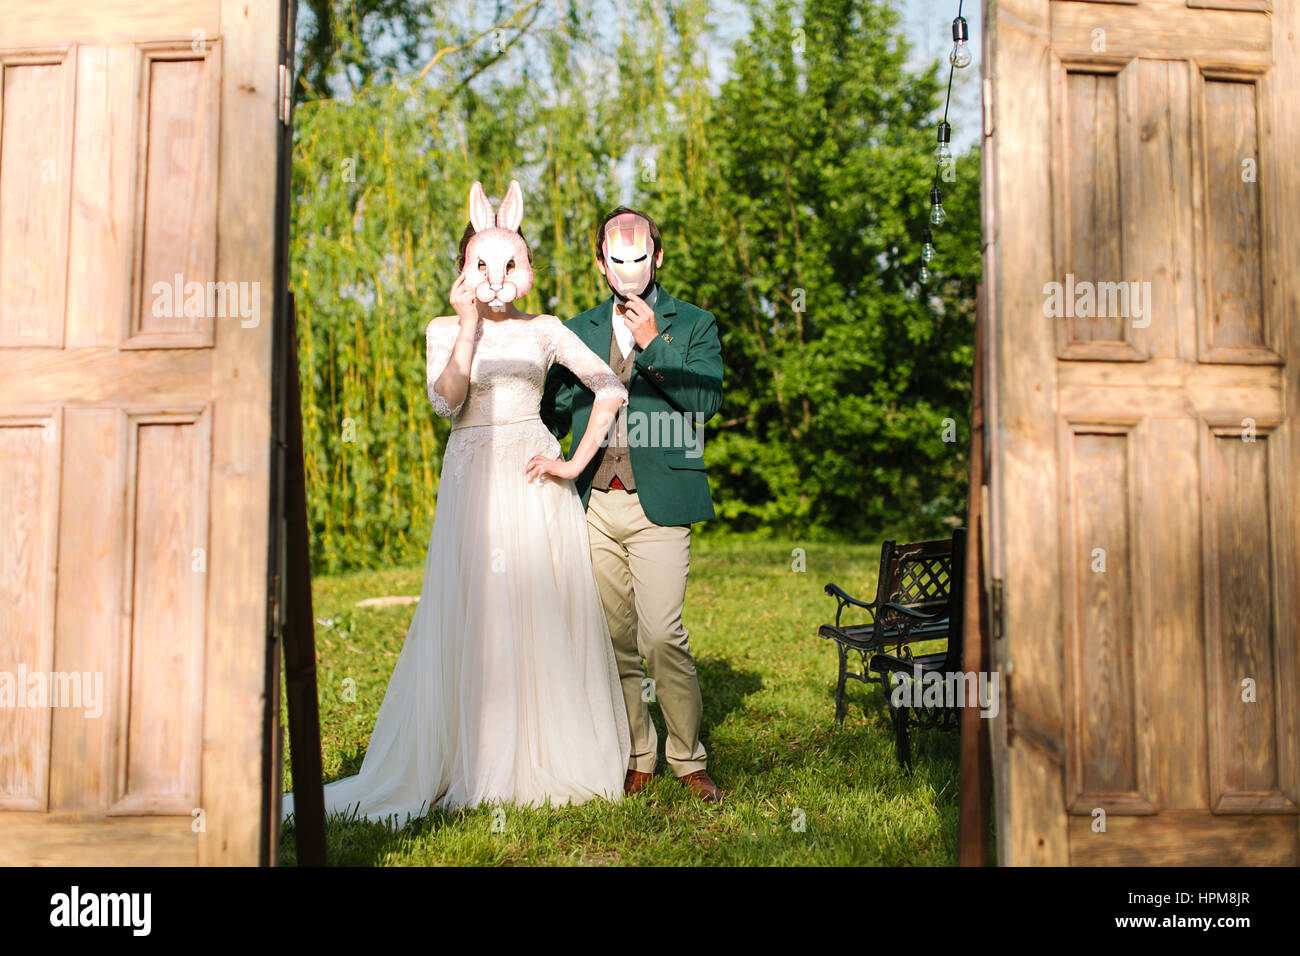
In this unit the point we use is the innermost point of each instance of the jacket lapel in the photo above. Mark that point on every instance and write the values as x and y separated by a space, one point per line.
665 311
600 329
602 319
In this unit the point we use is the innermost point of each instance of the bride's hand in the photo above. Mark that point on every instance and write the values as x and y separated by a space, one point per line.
463 300
540 465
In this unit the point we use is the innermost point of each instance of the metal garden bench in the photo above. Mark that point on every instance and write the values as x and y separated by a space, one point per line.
918 598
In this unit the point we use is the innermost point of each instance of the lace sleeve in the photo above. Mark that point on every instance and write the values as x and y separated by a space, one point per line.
573 354
439 342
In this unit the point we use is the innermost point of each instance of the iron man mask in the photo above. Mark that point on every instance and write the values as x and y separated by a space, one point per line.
628 254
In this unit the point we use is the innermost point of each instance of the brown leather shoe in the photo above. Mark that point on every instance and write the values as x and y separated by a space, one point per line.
702 786
636 781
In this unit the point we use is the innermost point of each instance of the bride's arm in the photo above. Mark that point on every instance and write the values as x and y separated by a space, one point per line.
602 416
448 390
609 395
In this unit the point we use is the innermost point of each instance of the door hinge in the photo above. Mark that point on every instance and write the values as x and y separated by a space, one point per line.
278 582
284 98
275 605
1008 720
987 89
995 609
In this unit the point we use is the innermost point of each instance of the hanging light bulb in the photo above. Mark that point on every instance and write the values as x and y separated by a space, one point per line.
923 276
927 251
937 215
943 152
960 55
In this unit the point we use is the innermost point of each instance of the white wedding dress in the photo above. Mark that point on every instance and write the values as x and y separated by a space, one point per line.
506 688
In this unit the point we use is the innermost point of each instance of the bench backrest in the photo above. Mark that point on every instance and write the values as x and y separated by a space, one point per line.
919 574
930 577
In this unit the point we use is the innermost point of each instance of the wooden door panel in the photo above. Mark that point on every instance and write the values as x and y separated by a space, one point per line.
1157 443
29 517
1238 294
36 113
1090 189
1250 623
176 245
158 717
138 207
1106 735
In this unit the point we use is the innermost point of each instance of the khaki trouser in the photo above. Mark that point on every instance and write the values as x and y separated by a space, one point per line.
641 570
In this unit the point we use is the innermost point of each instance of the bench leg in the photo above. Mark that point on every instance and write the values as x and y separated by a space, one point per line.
902 744
839 687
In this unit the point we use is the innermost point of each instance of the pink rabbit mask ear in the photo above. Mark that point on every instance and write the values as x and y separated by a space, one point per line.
481 215
511 211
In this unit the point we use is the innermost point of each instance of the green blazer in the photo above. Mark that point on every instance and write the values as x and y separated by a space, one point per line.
676 386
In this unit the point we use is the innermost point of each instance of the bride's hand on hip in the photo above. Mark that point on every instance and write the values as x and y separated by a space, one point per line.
540 465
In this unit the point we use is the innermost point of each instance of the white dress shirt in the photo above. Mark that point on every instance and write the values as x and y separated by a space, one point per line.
622 334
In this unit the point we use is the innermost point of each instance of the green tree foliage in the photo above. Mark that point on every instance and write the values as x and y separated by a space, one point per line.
791 196
801 231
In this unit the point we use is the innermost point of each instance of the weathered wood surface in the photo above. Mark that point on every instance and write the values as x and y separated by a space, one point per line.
975 799
136 142
1144 532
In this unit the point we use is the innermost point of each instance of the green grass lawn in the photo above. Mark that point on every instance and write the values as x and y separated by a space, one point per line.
801 789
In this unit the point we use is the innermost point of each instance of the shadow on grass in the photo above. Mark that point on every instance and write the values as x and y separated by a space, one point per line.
350 765
352 840
723 689
928 744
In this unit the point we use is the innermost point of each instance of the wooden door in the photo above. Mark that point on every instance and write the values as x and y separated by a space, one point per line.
1144 462
139 145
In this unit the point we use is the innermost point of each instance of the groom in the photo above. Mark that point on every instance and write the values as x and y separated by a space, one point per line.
646 486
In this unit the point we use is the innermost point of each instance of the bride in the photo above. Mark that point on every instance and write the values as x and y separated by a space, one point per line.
506 688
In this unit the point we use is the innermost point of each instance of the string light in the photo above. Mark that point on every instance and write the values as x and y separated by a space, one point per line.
943 152
958 59
960 55
937 216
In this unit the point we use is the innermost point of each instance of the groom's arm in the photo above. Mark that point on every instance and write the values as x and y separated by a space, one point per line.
690 376
557 401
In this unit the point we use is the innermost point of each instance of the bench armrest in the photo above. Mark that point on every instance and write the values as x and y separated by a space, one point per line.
844 600
897 621
915 615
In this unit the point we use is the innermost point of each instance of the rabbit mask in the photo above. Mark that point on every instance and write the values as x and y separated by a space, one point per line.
628 253
496 258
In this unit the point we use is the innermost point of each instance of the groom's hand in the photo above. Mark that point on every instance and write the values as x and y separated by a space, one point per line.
640 319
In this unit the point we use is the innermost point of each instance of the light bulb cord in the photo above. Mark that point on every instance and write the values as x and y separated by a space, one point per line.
947 100
935 191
